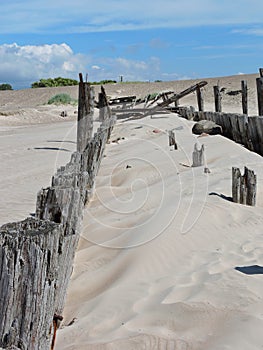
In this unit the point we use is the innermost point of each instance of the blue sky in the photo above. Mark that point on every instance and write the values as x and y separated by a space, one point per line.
140 40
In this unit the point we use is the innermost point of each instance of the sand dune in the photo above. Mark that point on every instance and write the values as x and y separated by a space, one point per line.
165 260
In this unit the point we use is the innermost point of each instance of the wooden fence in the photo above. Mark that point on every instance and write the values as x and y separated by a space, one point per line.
240 128
36 255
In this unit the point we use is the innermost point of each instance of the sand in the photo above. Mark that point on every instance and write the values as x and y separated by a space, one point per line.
165 259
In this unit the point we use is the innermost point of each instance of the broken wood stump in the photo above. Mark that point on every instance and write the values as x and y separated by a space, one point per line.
244 187
198 156
172 141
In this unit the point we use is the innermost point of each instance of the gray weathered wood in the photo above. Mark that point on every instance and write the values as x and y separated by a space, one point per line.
218 98
36 255
198 156
260 95
244 96
176 97
85 114
244 187
172 141
200 99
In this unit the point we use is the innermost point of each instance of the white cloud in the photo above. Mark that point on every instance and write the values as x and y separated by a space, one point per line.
22 65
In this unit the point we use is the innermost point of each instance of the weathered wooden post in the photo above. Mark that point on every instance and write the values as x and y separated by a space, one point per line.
244 96
198 156
172 141
85 114
260 95
251 180
236 176
261 72
244 187
218 98
104 109
200 99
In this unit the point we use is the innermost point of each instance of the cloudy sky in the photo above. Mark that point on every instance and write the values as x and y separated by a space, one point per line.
140 40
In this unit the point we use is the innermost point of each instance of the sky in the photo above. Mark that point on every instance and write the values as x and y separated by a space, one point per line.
138 40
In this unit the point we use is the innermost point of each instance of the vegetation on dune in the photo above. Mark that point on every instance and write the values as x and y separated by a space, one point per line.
5 86
63 99
102 82
54 82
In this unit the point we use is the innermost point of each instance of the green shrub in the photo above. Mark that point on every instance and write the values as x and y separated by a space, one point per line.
54 82
5 87
63 99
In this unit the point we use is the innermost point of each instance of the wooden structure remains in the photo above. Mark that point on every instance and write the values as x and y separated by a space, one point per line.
244 187
36 255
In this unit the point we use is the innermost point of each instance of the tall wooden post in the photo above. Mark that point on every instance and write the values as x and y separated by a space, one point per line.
260 95
261 72
218 97
85 114
244 96
200 99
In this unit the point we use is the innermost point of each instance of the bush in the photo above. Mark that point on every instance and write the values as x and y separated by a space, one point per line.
54 82
5 87
63 99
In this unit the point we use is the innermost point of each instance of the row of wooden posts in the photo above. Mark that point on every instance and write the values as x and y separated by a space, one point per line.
36 254
244 93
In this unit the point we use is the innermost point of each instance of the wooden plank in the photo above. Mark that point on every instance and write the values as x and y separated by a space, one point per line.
198 156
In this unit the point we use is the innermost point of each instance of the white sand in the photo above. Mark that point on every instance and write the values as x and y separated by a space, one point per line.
155 267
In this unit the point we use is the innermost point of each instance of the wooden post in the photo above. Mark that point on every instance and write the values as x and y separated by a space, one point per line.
260 95
172 141
200 99
251 181
218 97
244 96
261 72
244 187
236 176
85 114
198 156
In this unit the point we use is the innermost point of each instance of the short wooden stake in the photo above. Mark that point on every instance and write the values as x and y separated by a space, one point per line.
200 99
218 97
244 187
198 156
172 141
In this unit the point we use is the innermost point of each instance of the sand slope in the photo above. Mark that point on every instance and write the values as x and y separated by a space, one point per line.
165 260
156 264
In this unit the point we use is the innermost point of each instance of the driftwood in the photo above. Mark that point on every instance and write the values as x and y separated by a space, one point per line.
244 187
198 156
36 255
176 97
